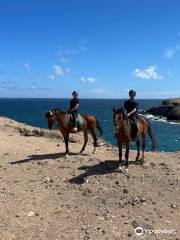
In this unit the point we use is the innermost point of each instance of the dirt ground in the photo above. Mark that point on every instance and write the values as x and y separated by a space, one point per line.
44 196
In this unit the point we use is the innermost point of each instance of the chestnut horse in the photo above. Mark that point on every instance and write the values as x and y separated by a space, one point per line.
124 135
90 123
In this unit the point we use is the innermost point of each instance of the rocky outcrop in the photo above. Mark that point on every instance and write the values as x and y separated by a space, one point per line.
170 108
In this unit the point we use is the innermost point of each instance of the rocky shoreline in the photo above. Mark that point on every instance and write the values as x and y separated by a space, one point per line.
45 196
169 109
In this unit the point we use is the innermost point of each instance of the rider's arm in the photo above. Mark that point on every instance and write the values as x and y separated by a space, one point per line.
133 111
76 107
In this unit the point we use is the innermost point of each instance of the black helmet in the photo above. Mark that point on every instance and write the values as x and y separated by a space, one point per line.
74 93
132 93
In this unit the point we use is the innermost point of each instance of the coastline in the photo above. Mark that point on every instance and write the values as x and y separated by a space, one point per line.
45 196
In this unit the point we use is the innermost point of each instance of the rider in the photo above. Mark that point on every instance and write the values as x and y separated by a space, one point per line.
131 107
73 109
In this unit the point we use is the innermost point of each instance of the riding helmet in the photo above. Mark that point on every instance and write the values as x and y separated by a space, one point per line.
75 93
132 93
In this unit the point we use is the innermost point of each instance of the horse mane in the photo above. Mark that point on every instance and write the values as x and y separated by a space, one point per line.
58 111
121 111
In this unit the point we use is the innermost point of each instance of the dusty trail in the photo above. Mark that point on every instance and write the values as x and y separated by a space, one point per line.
45 196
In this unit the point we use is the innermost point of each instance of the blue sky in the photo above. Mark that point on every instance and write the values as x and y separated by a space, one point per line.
100 48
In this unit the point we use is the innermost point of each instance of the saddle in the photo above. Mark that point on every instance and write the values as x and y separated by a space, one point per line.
79 120
134 129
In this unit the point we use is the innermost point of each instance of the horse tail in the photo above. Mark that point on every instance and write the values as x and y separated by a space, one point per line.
98 126
151 135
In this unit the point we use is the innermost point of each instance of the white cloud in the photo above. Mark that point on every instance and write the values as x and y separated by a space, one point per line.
27 66
88 79
59 72
66 54
169 53
147 73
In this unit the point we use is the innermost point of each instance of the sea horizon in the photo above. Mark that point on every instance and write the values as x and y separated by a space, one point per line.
31 111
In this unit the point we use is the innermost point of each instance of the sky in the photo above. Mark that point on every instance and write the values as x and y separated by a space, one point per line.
101 48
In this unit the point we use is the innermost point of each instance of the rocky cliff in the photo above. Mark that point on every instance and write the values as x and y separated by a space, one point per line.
169 108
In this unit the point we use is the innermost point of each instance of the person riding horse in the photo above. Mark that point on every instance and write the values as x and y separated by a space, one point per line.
73 109
131 108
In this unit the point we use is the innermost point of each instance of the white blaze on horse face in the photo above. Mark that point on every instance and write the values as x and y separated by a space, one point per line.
50 112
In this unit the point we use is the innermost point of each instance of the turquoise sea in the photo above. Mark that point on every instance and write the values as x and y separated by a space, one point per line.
31 111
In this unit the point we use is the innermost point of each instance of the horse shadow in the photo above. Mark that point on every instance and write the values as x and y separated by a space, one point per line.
102 168
106 167
40 157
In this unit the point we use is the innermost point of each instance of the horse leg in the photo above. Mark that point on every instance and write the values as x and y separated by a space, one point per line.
66 140
95 140
85 141
127 154
120 153
138 149
143 147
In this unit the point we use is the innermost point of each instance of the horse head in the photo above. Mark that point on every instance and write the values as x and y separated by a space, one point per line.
119 117
50 118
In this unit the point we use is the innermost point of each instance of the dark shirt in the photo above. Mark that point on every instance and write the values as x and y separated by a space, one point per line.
73 103
129 106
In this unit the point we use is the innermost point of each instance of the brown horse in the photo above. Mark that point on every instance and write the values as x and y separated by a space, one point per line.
90 123
124 134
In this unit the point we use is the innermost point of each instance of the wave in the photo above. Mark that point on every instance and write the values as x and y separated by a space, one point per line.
159 119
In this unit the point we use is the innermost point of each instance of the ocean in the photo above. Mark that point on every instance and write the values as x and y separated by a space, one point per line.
31 111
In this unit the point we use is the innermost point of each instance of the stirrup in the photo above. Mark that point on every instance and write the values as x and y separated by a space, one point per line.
74 130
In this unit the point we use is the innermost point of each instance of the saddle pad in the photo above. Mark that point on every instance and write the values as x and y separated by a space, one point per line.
79 120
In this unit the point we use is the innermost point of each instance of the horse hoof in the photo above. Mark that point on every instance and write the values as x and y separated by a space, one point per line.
126 169
120 168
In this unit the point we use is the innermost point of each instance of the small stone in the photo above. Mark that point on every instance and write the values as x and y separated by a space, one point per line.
135 224
168 222
143 199
173 206
30 214
125 190
117 182
129 234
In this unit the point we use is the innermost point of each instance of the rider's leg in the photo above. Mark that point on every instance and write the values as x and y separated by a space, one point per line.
74 115
134 125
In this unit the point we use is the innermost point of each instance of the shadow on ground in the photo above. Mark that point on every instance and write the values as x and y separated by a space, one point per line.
39 157
106 167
